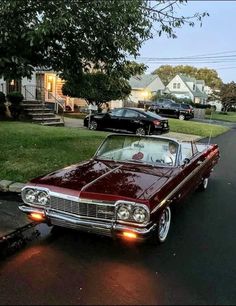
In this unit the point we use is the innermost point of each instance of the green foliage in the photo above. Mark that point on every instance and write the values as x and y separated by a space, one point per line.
15 97
15 108
98 87
2 97
228 95
68 36
210 76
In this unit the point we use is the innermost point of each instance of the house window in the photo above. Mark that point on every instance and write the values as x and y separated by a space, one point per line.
174 85
178 85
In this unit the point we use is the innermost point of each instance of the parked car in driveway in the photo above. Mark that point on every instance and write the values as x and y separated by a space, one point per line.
132 120
126 190
170 108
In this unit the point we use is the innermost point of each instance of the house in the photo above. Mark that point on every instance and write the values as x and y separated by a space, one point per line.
185 87
145 86
44 85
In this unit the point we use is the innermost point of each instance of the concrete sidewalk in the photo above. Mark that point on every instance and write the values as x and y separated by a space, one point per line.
12 220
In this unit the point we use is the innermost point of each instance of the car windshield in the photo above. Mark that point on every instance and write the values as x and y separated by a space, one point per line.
136 149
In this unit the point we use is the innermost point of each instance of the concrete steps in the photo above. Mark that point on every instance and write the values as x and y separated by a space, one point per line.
40 114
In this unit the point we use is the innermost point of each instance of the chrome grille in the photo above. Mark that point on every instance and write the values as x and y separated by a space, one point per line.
90 210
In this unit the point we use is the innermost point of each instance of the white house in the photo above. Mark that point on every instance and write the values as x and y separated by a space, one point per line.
183 86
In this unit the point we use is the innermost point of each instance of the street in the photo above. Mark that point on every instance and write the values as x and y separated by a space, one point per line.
196 265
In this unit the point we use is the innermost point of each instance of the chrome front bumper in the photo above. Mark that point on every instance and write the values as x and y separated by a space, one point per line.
111 229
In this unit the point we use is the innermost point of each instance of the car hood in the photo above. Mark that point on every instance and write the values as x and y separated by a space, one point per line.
98 179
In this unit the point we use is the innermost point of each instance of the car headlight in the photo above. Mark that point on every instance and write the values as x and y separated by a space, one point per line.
30 195
140 214
123 213
42 198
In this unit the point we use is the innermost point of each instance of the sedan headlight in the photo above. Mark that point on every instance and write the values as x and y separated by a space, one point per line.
123 213
42 198
140 214
30 195
35 196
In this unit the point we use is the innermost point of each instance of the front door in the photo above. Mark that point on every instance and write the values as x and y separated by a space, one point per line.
50 92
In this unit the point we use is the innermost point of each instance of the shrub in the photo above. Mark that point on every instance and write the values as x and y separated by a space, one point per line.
15 108
2 97
15 97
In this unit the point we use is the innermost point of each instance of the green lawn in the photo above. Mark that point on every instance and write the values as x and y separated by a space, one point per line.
28 150
196 128
230 117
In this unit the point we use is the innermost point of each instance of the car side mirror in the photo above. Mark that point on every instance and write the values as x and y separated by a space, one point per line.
186 161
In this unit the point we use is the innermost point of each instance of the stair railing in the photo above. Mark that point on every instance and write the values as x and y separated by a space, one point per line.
57 103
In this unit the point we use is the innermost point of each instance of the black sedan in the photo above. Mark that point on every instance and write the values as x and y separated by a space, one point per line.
132 120
172 109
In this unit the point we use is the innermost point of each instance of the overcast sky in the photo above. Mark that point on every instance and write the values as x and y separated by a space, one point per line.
217 35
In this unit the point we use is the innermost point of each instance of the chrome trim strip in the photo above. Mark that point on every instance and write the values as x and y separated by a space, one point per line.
98 178
179 186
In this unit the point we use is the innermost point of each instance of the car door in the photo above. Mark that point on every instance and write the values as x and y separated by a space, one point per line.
165 108
130 120
191 173
112 119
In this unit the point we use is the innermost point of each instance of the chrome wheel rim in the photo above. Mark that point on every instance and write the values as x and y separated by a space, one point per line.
164 224
93 125
181 117
140 131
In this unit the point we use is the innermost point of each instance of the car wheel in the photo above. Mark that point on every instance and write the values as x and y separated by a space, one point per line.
163 226
181 117
204 184
140 131
93 125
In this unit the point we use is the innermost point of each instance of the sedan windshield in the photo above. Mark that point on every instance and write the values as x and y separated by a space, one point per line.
137 149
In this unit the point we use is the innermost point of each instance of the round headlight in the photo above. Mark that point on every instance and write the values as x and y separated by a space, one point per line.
123 213
42 198
140 214
30 195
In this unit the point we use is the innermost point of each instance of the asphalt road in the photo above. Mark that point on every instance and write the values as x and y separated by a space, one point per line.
196 265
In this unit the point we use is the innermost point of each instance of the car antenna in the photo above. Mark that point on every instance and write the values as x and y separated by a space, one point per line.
211 128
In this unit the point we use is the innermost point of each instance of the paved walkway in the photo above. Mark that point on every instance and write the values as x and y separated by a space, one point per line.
74 123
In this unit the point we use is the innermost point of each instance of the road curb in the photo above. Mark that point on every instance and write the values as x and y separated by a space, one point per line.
11 186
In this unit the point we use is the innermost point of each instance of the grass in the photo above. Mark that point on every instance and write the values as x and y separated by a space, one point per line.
230 117
196 128
29 150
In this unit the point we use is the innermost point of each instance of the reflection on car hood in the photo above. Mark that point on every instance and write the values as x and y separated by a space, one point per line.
123 180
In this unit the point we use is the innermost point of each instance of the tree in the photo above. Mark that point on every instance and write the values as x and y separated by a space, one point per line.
98 88
210 76
68 36
228 95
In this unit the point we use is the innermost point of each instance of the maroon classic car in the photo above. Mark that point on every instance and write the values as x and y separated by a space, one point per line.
126 190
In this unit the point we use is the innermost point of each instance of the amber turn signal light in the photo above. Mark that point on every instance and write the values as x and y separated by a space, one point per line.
129 235
36 217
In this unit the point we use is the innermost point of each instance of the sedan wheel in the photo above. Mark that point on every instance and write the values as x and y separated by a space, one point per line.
163 224
181 117
93 125
140 131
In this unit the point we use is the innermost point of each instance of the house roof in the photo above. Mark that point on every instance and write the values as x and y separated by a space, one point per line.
142 81
187 78
197 92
